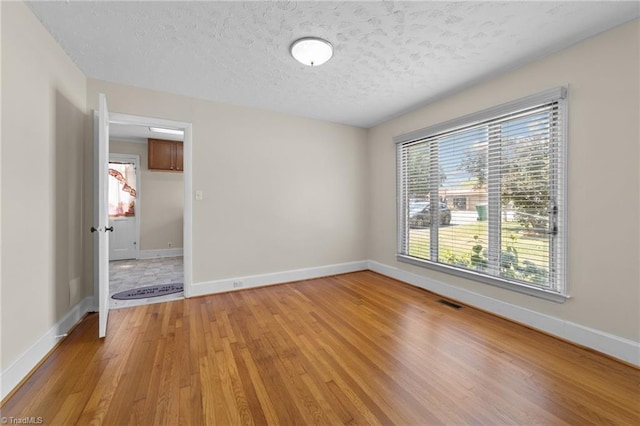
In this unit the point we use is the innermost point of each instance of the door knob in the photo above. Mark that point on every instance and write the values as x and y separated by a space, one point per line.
93 229
110 229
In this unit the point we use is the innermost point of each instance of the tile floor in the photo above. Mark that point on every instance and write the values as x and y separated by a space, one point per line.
134 273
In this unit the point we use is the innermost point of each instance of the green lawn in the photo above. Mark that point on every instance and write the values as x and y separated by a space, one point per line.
458 240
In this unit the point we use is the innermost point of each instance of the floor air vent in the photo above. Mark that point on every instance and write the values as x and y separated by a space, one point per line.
450 304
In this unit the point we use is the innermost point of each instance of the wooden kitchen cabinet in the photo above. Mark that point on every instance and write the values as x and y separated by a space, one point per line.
165 155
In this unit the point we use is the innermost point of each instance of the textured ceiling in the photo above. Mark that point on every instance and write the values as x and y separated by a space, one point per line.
390 57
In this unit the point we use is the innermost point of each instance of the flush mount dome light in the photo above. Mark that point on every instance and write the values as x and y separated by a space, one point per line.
311 51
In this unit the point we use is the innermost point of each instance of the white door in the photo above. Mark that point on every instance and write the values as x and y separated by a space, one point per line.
102 168
123 207
122 241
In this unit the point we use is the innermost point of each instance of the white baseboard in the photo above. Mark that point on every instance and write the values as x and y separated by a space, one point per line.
152 254
221 286
21 367
615 346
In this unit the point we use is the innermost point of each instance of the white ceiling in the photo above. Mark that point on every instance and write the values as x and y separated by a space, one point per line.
137 133
390 57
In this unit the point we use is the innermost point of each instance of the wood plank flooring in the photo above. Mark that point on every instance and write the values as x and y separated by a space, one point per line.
357 348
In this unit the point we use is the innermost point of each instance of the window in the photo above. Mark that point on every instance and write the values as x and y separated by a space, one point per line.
483 196
122 189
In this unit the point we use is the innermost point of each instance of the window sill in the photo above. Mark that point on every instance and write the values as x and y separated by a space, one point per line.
497 282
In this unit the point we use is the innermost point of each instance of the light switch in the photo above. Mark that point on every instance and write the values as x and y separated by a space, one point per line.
199 195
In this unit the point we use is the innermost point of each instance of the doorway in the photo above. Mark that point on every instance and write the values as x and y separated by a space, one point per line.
146 266
132 264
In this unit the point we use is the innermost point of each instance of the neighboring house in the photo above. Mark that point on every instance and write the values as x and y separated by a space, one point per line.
464 197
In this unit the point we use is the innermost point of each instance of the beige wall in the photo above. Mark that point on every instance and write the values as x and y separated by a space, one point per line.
43 119
603 210
280 192
161 200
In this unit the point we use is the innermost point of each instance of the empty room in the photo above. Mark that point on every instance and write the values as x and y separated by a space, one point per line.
299 213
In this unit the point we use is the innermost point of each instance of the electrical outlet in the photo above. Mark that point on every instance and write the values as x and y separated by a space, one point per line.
170 245
237 284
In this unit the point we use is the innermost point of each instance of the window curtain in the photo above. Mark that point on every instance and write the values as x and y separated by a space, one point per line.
122 190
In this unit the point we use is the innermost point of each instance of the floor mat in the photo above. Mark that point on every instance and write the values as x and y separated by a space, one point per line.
149 291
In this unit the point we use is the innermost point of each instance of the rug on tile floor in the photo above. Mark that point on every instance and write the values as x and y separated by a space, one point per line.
149 291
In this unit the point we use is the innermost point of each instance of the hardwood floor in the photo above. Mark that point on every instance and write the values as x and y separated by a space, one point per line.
357 348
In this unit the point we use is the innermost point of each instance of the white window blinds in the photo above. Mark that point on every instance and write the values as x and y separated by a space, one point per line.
483 196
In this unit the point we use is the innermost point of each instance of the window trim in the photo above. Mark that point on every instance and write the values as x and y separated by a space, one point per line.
558 94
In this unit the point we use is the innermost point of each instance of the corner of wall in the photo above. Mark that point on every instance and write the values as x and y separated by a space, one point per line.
22 367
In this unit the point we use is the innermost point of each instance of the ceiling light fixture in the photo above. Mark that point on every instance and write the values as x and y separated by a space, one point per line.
311 51
167 131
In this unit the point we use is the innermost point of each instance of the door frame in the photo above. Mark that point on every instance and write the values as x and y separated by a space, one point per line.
135 160
187 213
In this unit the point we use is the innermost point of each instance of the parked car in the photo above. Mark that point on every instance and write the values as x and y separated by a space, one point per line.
417 207
420 216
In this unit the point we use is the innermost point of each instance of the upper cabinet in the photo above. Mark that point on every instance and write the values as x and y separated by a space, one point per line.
165 155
